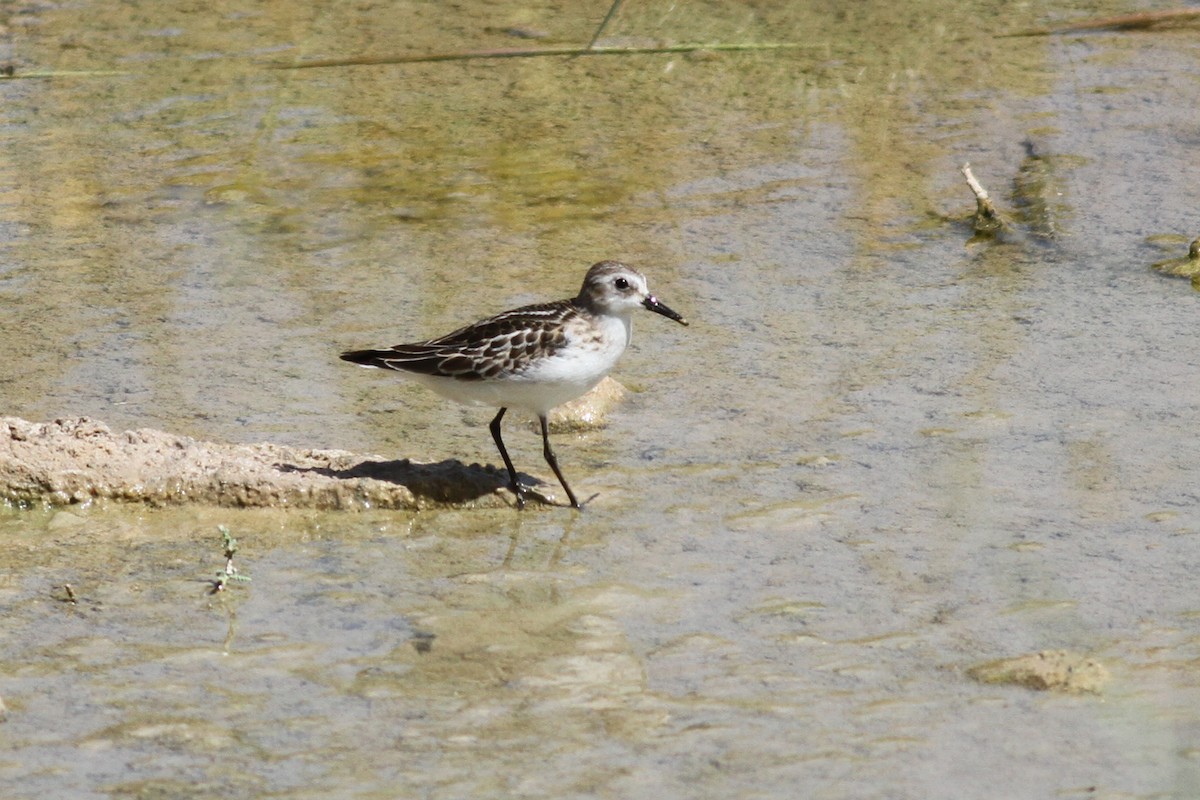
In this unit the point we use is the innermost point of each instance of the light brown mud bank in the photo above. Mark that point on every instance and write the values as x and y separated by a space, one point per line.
72 461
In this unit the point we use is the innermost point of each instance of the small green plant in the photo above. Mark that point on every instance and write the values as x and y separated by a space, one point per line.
230 573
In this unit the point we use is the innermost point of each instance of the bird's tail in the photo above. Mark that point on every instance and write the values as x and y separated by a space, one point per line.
368 358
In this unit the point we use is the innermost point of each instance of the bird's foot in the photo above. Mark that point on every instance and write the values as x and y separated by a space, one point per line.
519 491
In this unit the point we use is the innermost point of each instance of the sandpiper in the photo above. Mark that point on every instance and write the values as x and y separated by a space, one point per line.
531 358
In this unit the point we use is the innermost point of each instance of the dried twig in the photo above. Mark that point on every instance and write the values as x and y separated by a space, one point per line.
981 196
1125 22
988 220
472 55
9 73
612 12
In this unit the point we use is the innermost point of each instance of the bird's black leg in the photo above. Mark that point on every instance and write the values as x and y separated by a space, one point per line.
512 472
553 462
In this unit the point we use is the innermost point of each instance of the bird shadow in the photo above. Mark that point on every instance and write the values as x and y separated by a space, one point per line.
449 481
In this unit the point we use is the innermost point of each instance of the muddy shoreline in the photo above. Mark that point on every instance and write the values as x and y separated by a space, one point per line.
80 460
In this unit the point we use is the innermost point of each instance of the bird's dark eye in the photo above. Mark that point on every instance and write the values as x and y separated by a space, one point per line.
621 283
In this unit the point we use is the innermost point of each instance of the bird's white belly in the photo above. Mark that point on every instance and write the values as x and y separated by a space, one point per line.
547 382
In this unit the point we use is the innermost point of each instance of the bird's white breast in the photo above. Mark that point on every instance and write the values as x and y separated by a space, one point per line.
593 347
591 352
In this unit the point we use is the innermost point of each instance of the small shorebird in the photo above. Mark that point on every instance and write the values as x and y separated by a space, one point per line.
532 358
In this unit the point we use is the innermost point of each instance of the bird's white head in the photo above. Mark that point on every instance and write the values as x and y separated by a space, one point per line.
611 287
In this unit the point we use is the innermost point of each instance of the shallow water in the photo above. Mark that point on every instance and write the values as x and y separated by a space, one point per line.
876 458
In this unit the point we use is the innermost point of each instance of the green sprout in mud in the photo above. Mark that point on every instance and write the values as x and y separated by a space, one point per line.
230 573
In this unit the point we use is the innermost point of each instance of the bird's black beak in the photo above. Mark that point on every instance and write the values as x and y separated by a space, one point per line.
652 304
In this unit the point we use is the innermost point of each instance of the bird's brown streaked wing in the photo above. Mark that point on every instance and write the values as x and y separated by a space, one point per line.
533 317
497 346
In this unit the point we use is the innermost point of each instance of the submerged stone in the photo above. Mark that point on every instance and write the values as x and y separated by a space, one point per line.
1048 670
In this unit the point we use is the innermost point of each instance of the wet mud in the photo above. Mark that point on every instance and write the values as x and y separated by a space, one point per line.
80 460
